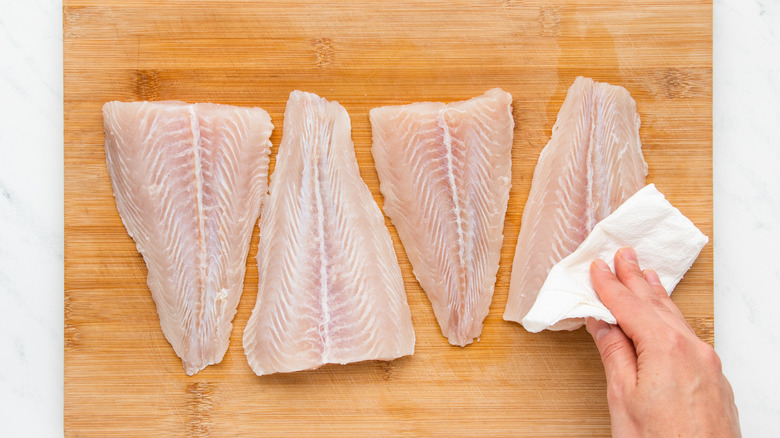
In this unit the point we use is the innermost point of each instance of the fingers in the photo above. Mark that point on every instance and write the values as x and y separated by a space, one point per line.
636 319
636 298
617 353
651 277
628 272
655 283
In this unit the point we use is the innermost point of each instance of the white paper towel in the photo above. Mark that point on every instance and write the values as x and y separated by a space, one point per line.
663 238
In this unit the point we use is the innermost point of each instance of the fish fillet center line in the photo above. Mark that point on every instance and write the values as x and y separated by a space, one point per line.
198 171
590 213
324 329
447 139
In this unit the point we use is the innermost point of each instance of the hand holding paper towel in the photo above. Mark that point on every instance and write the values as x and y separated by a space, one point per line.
663 238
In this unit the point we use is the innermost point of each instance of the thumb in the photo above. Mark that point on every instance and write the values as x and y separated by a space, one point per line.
617 353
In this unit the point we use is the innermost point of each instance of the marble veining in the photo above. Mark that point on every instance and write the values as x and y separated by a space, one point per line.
747 206
31 218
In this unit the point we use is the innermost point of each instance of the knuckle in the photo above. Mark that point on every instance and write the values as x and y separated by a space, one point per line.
711 359
676 341
610 289
656 303
610 280
610 349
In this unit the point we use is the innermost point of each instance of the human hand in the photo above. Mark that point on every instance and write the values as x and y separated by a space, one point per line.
662 381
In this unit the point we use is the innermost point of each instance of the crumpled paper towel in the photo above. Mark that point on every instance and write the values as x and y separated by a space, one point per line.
664 239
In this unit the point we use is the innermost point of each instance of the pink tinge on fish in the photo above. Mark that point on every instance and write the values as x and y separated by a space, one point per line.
189 181
592 164
445 173
330 289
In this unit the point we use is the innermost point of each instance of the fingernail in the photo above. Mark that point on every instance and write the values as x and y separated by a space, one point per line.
597 328
602 265
652 277
628 255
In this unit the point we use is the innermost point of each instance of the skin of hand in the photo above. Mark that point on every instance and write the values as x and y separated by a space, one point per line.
662 381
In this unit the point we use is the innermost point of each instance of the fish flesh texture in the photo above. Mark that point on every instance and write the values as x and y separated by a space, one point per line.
330 288
189 180
592 164
663 238
445 173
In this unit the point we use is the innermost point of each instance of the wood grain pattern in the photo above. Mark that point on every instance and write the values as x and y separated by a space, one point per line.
121 376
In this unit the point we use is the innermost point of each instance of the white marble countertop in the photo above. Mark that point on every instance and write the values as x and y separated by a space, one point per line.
746 188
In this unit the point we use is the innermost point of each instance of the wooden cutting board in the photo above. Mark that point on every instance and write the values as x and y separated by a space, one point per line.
121 376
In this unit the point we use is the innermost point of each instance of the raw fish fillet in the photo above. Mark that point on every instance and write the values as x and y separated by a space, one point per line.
330 288
663 238
445 173
189 181
590 166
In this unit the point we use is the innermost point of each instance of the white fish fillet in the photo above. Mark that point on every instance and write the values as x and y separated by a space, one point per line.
590 166
445 173
330 288
189 181
663 238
